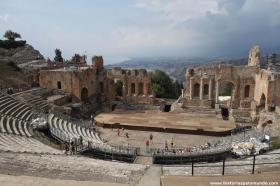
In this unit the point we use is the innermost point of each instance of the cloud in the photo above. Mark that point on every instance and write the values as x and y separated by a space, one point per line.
4 18
216 27
146 27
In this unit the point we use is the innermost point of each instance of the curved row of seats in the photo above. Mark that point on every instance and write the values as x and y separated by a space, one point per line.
67 131
33 100
15 130
14 126
10 106
73 130
16 143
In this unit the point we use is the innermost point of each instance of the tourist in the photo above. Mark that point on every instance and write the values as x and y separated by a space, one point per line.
118 132
126 134
66 148
81 141
151 137
72 147
147 143
172 143
166 145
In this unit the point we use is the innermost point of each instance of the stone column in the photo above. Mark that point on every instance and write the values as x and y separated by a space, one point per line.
124 92
217 91
129 89
210 89
201 89
145 87
136 88
191 88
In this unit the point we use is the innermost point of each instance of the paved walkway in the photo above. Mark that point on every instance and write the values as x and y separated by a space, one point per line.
8 180
152 177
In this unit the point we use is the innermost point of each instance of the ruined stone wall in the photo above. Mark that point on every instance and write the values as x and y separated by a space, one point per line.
269 86
136 83
210 77
99 82
72 81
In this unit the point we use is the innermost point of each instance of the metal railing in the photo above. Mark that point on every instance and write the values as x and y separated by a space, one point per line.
229 164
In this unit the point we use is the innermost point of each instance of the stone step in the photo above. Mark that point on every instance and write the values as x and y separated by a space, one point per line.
144 160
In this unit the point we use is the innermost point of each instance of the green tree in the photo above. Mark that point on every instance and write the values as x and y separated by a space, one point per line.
10 35
158 90
163 84
118 88
177 87
76 58
58 56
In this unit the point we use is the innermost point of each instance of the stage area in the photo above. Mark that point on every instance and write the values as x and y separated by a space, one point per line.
155 120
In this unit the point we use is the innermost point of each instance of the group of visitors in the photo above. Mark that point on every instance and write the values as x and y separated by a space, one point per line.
122 132
186 150
149 141
72 147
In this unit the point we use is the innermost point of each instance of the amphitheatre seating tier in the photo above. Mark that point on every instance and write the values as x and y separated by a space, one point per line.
15 143
15 126
73 130
32 98
12 107
68 131
71 167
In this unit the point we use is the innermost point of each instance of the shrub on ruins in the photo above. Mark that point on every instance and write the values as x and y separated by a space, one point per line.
58 55
10 41
10 35
76 58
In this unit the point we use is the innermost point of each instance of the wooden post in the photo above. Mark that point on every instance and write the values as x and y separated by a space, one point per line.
192 167
224 161
254 161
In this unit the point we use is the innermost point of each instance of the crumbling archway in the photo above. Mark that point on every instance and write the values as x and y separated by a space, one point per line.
262 102
226 89
247 91
196 89
118 86
84 95
205 90
58 85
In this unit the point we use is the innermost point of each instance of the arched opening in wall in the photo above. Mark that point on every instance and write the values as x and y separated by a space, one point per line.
58 85
205 90
140 89
101 87
165 108
225 92
114 107
132 88
196 88
262 102
247 91
84 95
225 113
118 88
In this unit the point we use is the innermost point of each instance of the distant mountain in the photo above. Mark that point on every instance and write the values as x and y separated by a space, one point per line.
174 66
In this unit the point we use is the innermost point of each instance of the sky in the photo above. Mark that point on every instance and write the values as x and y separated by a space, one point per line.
123 29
